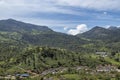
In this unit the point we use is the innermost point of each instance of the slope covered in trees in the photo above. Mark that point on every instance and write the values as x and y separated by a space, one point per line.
39 59
104 34
28 34
18 51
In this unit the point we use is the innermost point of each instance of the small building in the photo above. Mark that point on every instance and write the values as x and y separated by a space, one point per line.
24 75
106 68
102 54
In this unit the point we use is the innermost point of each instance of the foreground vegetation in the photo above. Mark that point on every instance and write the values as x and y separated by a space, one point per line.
46 62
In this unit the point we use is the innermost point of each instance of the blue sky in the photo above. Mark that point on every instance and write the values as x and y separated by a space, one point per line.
68 16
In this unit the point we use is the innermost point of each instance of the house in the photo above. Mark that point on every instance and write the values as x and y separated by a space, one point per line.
106 68
102 54
24 75
81 68
54 71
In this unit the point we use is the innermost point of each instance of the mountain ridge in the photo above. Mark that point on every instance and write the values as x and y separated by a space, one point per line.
30 34
19 25
46 37
100 33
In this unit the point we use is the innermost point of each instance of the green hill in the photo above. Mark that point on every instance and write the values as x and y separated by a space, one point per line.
29 34
39 59
99 33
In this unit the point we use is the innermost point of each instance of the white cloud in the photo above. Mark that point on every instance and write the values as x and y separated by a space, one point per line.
118 26
108 26
18 9
91 4
21 7
79 29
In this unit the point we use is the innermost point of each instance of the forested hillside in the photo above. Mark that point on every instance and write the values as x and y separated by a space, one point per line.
43 61
110 34
33 49
39 59
28 34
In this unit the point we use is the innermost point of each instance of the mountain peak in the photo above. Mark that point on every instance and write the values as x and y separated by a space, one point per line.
10 19
14 25
98 27
100 33
96 33
113 28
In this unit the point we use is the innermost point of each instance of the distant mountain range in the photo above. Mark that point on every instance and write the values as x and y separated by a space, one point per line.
20 34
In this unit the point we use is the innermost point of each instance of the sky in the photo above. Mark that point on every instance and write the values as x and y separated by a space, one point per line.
67 16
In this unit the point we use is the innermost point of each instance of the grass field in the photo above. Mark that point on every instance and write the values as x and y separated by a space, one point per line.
112 61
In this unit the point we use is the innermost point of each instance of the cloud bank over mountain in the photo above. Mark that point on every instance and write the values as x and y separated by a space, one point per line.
91 4
79 29
62 13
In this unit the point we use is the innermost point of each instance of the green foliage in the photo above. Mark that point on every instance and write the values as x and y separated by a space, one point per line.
18 51
42 58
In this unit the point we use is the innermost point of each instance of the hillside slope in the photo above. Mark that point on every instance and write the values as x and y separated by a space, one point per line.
98 33
28 34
